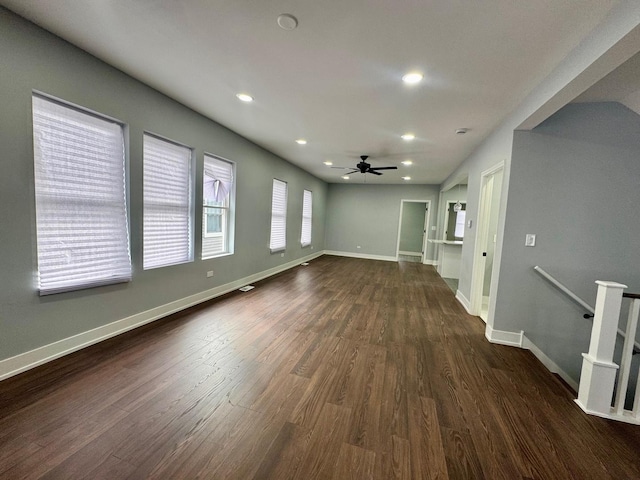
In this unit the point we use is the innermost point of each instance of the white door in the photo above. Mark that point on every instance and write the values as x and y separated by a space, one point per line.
491 189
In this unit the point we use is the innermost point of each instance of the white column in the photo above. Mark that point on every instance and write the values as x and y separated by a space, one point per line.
598 370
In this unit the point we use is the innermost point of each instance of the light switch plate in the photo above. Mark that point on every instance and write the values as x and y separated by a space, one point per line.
530 240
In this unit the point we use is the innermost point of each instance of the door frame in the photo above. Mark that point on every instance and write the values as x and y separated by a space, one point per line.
427 218
482 239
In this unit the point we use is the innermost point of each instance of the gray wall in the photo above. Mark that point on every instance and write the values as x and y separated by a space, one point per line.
575 183
367 215
35 59
411 227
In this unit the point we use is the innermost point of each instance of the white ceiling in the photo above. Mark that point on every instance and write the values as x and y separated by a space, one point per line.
336 79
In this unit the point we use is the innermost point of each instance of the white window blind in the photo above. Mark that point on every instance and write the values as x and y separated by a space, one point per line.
460 220
81 212
167 224
305 237
217 185
278 239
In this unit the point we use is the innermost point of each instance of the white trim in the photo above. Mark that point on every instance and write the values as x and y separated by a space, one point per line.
550 364
386 258
481 239
463 301
429 261
626 416
520 340
502 337
38 356
412 254
426 226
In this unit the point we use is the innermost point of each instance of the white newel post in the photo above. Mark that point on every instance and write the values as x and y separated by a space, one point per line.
598 370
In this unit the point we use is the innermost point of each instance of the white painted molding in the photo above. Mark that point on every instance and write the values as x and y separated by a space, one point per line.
463 301
502 337
413 254
429 261
626 416
550 364
361 255
33 358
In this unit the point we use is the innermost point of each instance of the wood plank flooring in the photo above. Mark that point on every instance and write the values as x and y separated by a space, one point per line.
343 369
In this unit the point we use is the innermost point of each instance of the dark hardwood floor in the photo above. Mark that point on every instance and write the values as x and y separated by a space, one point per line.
344 369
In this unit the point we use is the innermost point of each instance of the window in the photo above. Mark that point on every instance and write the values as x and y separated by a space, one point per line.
305 237
81 210
278 239
459 230
167 224
455 222
217 187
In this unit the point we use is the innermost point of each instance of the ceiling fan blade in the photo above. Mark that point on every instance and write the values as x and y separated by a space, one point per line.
354 171
343 168
383 168
374 172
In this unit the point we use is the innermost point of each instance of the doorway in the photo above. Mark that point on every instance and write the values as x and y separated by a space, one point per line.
413 231
485 254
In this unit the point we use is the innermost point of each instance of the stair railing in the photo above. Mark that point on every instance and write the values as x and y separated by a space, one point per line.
579 301
599 372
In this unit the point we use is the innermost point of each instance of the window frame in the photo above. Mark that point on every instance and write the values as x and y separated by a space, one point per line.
228 211
120 261
308 217
278 214
189 257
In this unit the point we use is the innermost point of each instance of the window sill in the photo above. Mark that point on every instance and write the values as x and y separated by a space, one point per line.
218 255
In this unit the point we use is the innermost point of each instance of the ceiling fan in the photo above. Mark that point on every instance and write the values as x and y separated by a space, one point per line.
364 167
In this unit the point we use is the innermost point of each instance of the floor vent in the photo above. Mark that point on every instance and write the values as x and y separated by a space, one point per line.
304 264
246 288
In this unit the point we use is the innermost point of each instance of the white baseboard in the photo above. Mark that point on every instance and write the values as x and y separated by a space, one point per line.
361 255
502 337
463 301
412 254
626 416
520 340
33 358
547 362
428 261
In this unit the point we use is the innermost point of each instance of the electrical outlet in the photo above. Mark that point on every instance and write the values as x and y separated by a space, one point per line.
311 247
210 274
357 246
282 254
530 240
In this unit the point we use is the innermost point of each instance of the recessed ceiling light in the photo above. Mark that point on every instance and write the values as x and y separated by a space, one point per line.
462 131
412 78
243 97
345 177
408 136
286 21
407 162
406 178
301 141
328 163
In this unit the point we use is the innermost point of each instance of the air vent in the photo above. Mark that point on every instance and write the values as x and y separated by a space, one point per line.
246 288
